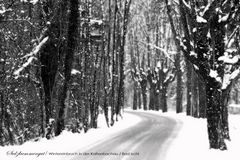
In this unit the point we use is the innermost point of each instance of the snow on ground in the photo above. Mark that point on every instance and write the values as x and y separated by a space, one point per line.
191 141
67 142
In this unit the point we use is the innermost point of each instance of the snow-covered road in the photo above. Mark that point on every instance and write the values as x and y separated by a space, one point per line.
147 135
147 140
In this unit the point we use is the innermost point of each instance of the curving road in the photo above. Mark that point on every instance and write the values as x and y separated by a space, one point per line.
148 140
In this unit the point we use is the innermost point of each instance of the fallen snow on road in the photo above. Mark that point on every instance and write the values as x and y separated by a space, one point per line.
67 143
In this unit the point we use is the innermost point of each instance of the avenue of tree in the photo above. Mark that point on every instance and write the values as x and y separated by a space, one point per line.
62 63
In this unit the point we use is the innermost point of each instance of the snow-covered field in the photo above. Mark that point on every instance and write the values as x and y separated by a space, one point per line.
191 142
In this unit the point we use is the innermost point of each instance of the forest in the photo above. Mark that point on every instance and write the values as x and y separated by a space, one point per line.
62 63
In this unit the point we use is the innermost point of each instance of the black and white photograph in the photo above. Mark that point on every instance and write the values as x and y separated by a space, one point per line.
119 79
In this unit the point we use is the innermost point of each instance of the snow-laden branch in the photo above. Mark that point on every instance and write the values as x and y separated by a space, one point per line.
169 78
201 19
227 78
32 1
224 18
29 61
230 40
167 53
186 4
227 60
31 56
4 10
75 72
37 48
214 74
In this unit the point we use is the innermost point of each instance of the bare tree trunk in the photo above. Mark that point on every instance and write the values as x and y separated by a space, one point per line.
1 121
157 100
2 106
202 99
8 126
164 98
43 117
49 62
224 100
214 118
152 98
195 97
71 45
152 89
139 97
93 107
105 106
179 107
189 88
236 100
120 100
148 52
143 84
135 96
113 109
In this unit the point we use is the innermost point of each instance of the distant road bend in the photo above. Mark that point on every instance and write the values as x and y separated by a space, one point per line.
147 140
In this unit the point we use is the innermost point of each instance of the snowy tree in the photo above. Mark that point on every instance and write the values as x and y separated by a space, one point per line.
157 61
210 43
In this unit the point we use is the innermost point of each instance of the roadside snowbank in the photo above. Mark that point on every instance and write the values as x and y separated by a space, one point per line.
188 142
192 141
65 144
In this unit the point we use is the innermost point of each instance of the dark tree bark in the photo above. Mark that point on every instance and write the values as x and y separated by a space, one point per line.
6 119
152 97
224 103
202 98
195 97
164 99
139 97
157 100
2 104
1 121
105 62
236 100
148 50
49 62
143 84
8 127
135 96
179 107
71 44
93 107
215 118
105 106
114 49
120 100
50 52
164 79
189 88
